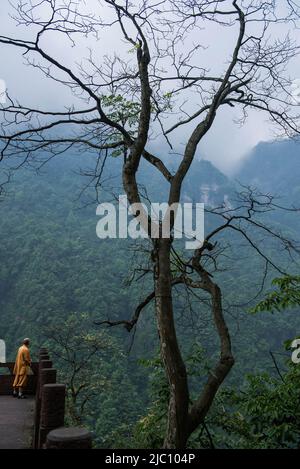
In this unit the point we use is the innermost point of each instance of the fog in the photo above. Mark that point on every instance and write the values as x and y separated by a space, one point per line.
225 145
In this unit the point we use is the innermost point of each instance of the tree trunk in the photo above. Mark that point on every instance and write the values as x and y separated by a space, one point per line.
177 425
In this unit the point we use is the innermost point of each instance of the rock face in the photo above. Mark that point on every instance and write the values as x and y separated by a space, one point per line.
274 167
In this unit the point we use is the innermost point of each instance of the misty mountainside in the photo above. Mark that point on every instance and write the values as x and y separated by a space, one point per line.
51 261
274 167
52 264
206 184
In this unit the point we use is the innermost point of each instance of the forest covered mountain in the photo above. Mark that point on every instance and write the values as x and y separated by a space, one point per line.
274 167
52 265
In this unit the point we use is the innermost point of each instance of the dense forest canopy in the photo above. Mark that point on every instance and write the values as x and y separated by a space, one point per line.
53 267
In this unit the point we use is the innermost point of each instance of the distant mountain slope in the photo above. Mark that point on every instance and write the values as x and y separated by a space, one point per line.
206 184
52 264
203 183
274 167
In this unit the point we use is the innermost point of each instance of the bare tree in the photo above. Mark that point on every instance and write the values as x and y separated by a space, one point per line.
130 101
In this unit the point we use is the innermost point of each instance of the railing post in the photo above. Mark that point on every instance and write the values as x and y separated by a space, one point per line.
69 438
43 350
44 356
43 364
47 376
52 410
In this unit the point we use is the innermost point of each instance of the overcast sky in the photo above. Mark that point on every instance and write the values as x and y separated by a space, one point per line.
225 145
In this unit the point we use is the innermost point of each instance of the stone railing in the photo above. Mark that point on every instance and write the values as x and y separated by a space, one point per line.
49 416
49 430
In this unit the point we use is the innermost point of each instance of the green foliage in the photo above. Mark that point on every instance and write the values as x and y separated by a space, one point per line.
150 429
83 357
265 413
96 372
286 295
126 112
136 47
52 265
121 110
262 413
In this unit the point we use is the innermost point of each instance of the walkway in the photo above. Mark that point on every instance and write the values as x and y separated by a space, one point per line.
16 422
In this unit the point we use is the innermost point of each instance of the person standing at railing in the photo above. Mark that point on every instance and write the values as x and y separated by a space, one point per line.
22 370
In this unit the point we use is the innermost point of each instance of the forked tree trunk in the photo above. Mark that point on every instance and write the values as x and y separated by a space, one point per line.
177 425
182 420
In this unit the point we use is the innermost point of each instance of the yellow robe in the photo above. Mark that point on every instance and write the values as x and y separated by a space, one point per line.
21 368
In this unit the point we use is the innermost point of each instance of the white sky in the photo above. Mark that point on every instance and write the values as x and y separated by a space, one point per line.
225 145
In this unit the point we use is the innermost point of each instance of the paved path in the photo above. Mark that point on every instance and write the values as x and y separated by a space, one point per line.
16 422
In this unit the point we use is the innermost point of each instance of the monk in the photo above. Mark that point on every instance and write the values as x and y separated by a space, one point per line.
21 370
